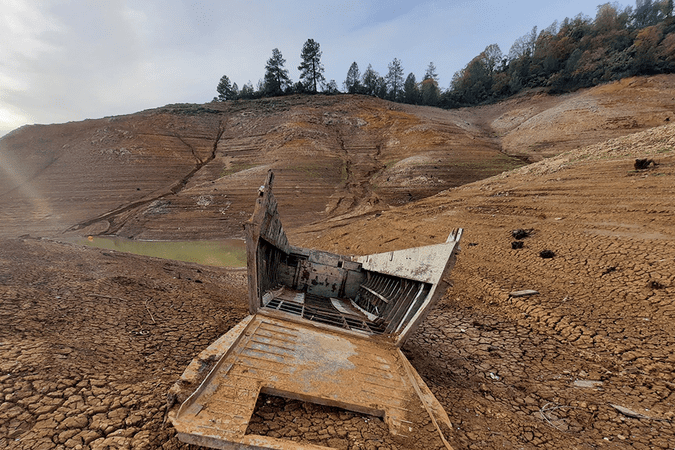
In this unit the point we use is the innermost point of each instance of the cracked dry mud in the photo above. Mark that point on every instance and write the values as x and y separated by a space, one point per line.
586 363
91 340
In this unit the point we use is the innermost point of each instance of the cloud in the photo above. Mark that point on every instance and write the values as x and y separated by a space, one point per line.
78 59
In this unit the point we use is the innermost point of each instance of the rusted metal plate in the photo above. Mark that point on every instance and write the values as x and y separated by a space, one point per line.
324 328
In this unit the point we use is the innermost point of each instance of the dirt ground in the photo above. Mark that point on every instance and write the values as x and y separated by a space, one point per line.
588 361
91 340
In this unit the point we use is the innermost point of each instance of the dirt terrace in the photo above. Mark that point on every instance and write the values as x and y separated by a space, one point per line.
191 171
91 340
588 361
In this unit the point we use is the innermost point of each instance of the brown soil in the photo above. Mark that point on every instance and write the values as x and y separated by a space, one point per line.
544 370
150 175
92 340
191 171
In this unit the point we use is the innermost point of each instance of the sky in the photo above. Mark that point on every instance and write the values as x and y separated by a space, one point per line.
69 60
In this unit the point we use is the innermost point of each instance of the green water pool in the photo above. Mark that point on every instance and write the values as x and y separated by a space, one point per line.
223 253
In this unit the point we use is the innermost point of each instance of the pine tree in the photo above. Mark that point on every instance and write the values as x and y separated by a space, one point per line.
276 77
430 92
431 72
247 90
411 93
370 77
394 80
226 90
310 68
381 89
352 83
331 88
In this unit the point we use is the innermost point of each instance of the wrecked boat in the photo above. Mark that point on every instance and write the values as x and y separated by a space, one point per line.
323 328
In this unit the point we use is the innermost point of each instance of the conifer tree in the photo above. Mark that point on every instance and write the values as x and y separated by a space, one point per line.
226 90
352 83
430 92
431 72
311 69
331 88
411 92
276 77
370 78
394 80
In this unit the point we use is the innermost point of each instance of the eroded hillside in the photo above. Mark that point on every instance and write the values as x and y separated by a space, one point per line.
94 338
192 171
189 171
539 126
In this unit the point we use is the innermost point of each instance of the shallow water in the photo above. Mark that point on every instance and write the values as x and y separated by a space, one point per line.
224 253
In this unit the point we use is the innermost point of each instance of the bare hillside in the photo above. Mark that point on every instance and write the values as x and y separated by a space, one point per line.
92 339
188 171
191 171
537 125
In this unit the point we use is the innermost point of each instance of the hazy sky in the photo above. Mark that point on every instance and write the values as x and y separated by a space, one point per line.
71 60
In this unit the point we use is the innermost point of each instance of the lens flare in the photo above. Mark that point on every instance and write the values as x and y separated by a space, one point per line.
14 182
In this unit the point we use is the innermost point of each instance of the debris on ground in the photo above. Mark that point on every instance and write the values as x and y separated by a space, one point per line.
521 234
644 163
523 293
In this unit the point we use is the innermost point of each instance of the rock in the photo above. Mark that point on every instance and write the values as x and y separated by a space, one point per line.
587 383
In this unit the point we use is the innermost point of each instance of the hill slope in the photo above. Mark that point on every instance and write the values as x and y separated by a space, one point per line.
188 171
95 338
191 171
546 369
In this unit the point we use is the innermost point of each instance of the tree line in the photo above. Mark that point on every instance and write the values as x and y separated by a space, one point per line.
579 52
276 82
